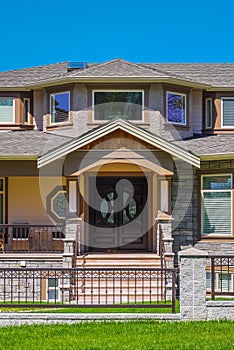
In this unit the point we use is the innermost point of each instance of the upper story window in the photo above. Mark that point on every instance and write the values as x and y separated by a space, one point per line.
59 107
216 196
7 110
127 104
227 111
176 108
26 110
208 113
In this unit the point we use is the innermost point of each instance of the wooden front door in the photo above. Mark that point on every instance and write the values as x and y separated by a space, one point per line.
118 213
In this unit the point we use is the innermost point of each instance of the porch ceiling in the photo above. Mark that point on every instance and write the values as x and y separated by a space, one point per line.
126 126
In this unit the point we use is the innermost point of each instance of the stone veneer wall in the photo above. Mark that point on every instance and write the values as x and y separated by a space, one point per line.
31 262
185 227
184 205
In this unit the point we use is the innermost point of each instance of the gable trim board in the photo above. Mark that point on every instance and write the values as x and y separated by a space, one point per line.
119 124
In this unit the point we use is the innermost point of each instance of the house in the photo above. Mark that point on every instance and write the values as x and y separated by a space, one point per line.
129 161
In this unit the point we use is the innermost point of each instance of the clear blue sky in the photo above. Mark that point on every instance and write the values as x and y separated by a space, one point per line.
45 31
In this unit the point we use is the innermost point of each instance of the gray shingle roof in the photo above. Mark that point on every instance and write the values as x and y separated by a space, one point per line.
209 145
28 143
215 74
118 68
36 143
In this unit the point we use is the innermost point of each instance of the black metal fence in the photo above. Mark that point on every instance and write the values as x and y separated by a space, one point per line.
220 276
89 287
31 238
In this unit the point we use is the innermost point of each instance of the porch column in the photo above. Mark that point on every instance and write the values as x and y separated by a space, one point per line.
72 242
164 246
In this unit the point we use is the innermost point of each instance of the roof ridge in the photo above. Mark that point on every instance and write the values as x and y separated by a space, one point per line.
116 60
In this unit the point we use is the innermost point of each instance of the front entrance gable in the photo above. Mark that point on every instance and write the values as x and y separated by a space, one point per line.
132 131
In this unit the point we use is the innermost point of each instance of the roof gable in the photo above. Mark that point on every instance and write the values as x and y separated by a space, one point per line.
119 124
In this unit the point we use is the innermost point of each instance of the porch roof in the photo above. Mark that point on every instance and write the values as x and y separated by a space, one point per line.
210 147
118 124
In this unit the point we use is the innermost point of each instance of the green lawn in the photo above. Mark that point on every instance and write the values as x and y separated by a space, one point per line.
136 335
62 309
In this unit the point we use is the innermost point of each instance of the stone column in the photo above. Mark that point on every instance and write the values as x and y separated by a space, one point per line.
193 284
164 223
72 242
71 248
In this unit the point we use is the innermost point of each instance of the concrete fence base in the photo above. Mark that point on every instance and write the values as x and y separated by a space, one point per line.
193 303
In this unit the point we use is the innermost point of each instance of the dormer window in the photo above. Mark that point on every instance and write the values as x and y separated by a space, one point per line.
60 108
176 108
7 110
126 104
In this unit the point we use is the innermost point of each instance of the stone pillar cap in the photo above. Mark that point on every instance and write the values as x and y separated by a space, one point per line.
193 252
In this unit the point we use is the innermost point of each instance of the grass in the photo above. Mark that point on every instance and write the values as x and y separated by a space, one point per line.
93 310
135 335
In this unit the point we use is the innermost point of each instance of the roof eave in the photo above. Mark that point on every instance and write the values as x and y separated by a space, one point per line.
221 88
18 157
104 79
219 156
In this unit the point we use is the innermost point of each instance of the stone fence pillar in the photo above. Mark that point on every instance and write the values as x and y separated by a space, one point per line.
193 284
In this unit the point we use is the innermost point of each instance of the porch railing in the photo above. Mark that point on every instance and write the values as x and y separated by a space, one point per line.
31 238
89 287
220 275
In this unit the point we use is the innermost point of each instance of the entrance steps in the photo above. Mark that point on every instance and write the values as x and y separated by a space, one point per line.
118 260
105 284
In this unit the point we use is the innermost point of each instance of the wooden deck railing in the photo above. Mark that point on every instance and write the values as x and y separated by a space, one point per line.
31 238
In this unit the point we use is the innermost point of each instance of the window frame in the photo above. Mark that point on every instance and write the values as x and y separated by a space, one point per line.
55 288
208 99
218 190
186 117
13 107
219 284
221 110
118 90
69 108
28 113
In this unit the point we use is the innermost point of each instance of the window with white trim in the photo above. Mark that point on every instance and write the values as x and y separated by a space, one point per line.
208 112
176 108
60 107
216 195
26 110
7 110
2 200
110 104
227 112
